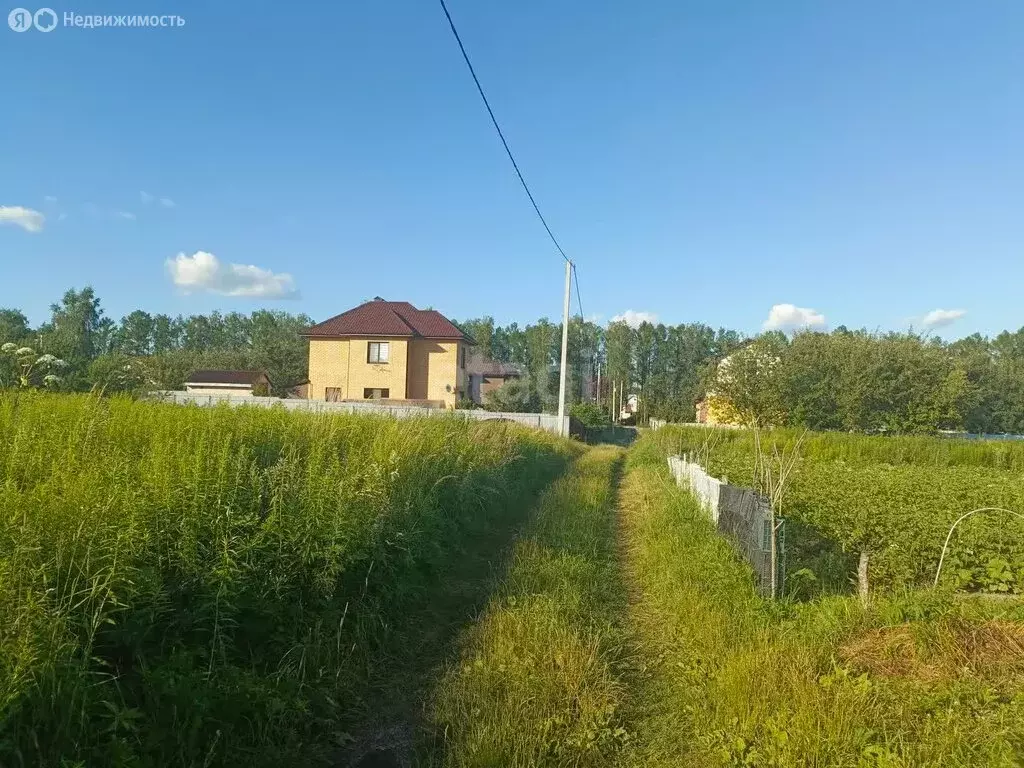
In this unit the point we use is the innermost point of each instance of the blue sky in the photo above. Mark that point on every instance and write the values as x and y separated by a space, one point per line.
700 161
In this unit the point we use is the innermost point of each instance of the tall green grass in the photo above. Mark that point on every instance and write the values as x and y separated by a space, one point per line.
723 678
186 586
536 681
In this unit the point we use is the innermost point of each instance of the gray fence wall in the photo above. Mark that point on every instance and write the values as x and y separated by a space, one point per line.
742 515
545 421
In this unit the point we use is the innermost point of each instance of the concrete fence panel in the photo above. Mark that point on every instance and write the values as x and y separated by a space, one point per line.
740 514
546 421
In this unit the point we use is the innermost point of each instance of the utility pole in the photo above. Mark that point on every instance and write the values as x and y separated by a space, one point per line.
611 405
565 350
598 384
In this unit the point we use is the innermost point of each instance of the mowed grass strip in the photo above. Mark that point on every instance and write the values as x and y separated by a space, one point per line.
722 678
536 683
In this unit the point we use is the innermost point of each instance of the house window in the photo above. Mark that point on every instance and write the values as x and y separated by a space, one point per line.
333 394
462 358
377 352
374 393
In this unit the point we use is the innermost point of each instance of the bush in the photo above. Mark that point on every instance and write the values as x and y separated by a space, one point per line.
514 396
590 415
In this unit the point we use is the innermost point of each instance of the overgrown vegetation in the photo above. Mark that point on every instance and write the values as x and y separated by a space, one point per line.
722 678
894 498
186 586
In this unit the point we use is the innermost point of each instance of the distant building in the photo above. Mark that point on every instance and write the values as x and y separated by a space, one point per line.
233 383
391 351
298 391
485 375
630 407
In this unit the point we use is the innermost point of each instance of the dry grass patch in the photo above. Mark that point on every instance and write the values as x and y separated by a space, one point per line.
938 653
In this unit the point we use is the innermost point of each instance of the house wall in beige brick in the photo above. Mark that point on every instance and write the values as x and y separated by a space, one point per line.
328 366
435 372
419 369
390 375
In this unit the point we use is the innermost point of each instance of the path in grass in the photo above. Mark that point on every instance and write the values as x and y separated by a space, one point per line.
536 682
627 633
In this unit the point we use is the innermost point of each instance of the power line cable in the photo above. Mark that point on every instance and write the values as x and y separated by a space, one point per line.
501 135
579 301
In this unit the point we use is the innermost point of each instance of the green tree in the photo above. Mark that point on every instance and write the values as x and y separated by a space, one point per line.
514 396
749 379
135 336
77 333
167 332
14 326
481 329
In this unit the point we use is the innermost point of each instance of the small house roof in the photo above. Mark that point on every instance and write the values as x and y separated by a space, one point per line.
480 365
211 376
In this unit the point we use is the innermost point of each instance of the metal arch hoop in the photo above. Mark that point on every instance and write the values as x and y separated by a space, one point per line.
960 519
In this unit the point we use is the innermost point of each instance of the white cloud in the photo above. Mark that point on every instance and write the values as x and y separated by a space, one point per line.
633 319
788 317
940 317
125 215
28 219
203 271
146 198
166 202
50 198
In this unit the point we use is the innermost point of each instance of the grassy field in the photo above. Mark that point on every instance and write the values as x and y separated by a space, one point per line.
725 678
892 497
212 587
627 633
184 586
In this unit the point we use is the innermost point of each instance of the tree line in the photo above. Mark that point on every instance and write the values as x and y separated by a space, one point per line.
843 380
854 380
154 351
876 382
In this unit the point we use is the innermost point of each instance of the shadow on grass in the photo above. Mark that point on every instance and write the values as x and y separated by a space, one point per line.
615 435
535 681
438 599
816 566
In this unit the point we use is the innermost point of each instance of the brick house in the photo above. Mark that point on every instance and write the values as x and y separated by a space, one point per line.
388 350
484 376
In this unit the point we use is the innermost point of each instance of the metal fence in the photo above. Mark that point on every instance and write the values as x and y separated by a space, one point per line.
545 421
744 516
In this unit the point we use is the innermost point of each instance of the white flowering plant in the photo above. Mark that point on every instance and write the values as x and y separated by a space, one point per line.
21 367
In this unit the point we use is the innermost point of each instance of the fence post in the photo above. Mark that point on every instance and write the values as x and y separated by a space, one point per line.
862 577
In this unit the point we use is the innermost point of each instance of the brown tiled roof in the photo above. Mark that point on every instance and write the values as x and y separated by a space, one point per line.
389 318
476 363
225 377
